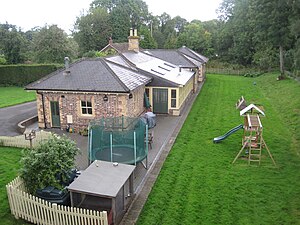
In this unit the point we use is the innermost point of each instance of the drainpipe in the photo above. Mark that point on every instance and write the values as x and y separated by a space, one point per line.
44 114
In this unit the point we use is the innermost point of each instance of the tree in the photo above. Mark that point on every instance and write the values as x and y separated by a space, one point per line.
49 164
92 30
12 43
171 42
51 44
123 15
195 37
147 42
272 25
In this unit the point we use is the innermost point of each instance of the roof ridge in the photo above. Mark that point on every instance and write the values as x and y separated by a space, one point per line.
114 75
184 56
195 54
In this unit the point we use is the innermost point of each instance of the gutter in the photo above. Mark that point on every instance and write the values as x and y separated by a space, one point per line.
44 114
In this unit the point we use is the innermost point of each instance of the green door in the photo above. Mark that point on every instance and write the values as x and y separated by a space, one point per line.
160 100
55 114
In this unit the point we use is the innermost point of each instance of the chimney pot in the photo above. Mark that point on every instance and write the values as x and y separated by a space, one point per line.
131 32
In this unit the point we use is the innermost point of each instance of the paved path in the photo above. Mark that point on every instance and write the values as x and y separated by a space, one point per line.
11 116
151 175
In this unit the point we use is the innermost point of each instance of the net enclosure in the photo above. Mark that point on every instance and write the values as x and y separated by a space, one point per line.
118 139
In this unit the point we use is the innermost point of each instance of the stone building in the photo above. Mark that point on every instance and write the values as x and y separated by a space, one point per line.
118 85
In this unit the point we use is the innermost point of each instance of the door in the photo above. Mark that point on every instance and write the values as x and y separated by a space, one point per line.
55 114
160 100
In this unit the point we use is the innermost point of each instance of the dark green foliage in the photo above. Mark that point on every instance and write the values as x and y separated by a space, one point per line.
49 163
93 30
20 75
262 33
51 45
199 185
195 37
12 43
147 42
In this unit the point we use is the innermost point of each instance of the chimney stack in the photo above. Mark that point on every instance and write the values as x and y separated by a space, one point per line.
67 66
110 40
133 40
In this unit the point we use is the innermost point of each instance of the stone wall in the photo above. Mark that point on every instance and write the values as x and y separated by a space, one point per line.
118 104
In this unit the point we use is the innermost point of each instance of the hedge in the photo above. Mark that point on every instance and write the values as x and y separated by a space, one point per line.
21 75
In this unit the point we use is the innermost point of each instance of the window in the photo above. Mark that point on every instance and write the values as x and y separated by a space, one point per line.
86 108
173 98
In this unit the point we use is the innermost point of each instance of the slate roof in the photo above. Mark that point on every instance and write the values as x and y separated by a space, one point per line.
119 47
190 53
92 75
172 56
158 67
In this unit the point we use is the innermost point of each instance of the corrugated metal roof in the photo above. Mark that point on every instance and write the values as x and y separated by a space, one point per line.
159 67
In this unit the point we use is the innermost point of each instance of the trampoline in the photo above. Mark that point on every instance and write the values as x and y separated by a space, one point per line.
122 140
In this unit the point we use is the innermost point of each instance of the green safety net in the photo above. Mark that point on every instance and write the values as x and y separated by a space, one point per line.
119 139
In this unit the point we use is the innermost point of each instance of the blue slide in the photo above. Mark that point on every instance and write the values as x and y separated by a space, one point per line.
221 138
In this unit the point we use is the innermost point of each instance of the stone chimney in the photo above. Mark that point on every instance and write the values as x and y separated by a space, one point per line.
133 40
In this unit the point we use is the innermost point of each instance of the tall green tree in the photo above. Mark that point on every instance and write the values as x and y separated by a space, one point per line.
51 44
93 30
195 37
272 25
295 30
147 41
12 43
124 14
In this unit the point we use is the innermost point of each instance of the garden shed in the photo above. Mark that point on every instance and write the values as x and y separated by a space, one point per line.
104 186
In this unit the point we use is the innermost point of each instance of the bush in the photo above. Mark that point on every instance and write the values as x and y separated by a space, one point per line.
49 164
20 75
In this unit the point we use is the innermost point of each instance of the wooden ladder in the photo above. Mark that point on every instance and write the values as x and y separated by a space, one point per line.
254 154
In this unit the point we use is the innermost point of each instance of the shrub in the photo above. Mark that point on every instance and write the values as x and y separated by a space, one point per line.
49 164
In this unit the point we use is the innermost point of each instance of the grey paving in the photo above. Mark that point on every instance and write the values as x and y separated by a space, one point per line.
11 116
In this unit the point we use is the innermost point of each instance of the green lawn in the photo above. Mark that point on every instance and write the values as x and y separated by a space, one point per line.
15 95
199 185
9 166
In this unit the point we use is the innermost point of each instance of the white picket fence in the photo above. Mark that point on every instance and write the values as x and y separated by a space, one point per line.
38 211
20 142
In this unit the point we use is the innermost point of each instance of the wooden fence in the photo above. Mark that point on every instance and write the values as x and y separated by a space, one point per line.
20 142
238 72
38 211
